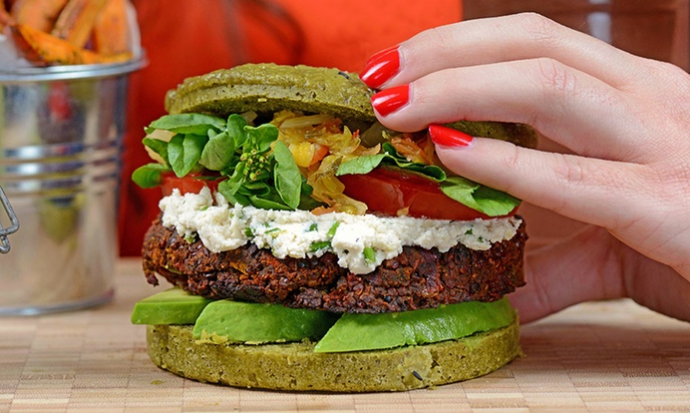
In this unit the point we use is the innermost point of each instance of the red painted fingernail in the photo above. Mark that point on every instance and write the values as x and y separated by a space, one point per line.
444 136
389 100
381 67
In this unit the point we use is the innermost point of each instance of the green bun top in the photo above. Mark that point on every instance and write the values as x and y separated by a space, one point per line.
268 88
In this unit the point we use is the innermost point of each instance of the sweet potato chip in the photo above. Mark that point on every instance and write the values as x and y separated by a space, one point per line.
77 20
39 14
111 32
43 49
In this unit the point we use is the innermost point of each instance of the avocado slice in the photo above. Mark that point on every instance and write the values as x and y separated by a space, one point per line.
231 321
357 332
225 321
172 306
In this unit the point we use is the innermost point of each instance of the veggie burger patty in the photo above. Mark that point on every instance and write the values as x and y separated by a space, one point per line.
417 278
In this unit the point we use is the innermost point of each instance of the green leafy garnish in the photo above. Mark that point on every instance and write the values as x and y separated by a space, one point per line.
319 245
287 177
150 175
481 198
254 168
235 129
333 229
257 169
218 152
365 164
268 203
488 201
187 123
158 146
369 254
361 165
184 151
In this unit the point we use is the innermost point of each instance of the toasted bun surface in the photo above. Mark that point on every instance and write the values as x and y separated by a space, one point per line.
268 88
296 367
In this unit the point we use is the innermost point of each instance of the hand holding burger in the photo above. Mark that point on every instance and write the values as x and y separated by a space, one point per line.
625 118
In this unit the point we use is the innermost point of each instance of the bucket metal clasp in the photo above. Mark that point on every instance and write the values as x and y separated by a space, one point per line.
14 223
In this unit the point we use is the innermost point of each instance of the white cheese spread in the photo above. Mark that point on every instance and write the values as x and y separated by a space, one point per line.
361 242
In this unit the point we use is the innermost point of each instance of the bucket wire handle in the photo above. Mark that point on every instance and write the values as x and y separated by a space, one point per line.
14 223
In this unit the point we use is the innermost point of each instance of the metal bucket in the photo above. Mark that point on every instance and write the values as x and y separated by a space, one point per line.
61 134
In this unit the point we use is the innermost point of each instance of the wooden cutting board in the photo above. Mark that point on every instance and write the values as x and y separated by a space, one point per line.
600 357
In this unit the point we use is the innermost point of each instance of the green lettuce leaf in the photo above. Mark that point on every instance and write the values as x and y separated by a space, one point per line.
184 151
149 175
478 197
235 129
361 165
262 137
158 146
365 164
187 123
287 178
218 151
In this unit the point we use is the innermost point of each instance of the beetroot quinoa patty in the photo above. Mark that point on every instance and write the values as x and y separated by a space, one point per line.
417 278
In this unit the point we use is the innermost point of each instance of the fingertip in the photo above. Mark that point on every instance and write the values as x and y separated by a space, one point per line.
390 100
381 67
449 137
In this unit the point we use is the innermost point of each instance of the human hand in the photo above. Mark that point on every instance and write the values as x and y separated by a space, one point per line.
626 119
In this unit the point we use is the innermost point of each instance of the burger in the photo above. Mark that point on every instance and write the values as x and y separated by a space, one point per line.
309 248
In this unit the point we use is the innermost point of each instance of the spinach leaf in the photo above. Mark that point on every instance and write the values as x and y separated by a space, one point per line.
230 187
307 203
286 175
255 188
236 180
149 176
235 129
184 151
158 146
218 152
187 123
306 188
366 164
361 165
176 155
430 171
268 203
478 197
262 136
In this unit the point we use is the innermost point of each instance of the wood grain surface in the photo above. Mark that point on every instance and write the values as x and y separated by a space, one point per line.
598 357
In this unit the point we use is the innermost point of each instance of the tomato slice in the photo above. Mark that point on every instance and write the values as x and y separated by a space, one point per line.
395 192
190 184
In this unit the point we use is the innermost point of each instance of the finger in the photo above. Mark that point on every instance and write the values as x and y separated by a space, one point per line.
590 190
568 106
581 268
503 39
593 265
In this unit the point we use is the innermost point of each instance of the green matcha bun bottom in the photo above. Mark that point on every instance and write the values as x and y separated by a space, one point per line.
296 367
